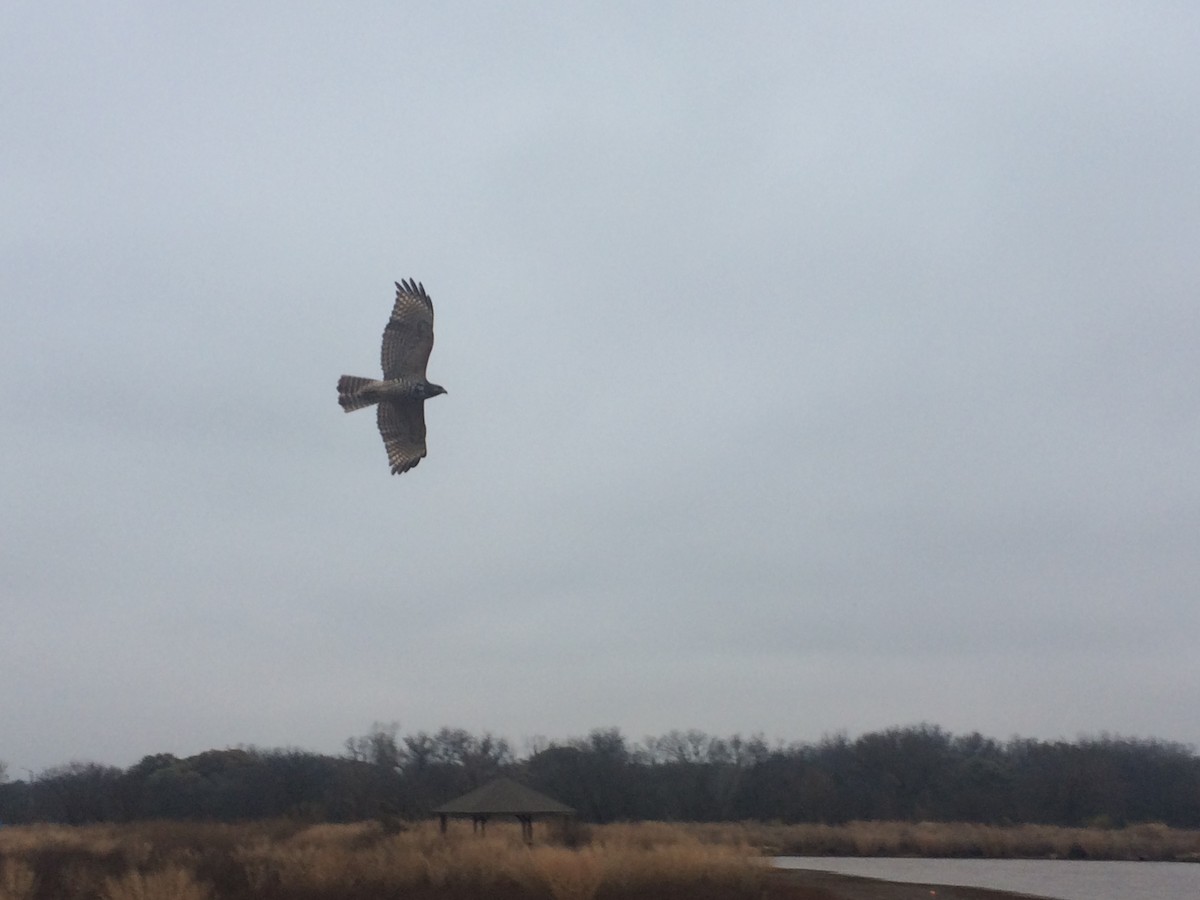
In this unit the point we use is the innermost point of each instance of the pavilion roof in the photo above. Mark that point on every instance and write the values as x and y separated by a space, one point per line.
503 797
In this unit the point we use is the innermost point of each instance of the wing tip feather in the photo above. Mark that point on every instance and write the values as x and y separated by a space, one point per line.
410 287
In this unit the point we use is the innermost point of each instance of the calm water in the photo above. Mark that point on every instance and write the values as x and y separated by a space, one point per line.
1061 879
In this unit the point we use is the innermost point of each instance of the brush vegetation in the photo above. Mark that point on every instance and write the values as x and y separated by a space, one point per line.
284 861
1147 841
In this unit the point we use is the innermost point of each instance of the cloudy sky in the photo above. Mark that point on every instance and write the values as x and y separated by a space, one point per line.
812 367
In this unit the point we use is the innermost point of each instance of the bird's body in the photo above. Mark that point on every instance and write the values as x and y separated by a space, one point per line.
355 392
401 394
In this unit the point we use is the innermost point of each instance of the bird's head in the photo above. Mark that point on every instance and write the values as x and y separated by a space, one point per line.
432 390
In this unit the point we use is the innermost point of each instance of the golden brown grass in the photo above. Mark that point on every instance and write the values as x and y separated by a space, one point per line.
1148 841
633 861
272 861
568 874
172 883
17 881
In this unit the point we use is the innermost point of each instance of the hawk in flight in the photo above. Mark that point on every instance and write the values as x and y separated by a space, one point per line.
401 395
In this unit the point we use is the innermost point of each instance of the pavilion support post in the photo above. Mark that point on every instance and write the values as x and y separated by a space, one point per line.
442 822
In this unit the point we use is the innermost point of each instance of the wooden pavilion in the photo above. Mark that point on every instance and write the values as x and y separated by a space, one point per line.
503 797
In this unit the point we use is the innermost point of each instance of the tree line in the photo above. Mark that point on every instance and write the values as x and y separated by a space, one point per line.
915 773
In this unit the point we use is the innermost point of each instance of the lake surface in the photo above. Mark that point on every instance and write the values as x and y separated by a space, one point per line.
1061 879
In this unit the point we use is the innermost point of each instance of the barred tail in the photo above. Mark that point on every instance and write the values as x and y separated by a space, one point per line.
354 392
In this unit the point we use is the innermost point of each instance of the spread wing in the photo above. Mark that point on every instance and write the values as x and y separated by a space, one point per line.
402 425
408 337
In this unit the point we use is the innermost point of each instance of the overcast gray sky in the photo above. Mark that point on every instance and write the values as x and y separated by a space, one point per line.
811 367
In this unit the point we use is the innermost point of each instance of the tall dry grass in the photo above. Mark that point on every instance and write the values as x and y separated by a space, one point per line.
265 861
1148 841
567 874
17 881
172 883
633 861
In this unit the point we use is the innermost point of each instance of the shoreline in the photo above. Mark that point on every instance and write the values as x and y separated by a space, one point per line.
965 840
814 884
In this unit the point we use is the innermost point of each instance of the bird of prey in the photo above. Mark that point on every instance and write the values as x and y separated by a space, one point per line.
401 395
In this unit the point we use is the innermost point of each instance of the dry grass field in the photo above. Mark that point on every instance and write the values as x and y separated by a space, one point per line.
1148 841
279 861
290 861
